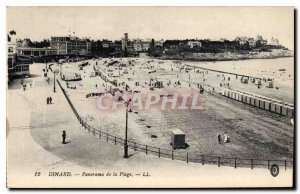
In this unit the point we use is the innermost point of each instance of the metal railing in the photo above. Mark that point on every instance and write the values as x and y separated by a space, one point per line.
171 154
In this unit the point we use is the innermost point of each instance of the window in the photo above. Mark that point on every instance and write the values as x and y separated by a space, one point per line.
10 63
10 49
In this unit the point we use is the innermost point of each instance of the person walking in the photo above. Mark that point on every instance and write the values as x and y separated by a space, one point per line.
50 100
47 100
64 136
219 138
226 138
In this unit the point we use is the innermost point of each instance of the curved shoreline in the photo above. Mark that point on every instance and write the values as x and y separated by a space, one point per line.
207 57
215 60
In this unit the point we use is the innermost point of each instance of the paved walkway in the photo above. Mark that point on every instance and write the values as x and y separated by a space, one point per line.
34 145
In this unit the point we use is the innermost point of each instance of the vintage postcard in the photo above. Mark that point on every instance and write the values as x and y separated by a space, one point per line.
150 97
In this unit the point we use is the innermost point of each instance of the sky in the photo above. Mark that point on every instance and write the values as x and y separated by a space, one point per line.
39 23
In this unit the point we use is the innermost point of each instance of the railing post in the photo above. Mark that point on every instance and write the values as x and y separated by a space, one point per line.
285 164
202 160
251 163
146 149
218 161
268 164
172 155
235 163
115 140
187 157
159 152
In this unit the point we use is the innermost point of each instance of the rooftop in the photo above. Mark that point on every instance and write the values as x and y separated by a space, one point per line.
178 131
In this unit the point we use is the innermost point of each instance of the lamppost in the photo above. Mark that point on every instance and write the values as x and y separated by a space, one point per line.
126 131
59 49
60 70
54 72
46 65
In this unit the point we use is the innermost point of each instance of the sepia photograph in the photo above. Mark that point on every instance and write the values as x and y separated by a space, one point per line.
150 97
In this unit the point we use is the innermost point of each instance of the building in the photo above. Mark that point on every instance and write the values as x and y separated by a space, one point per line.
35 52
145 44
261 40
223 40
243 40
11 58
193 44
16 65
106 43
118 45
172 44
264 42
274 42
159 43
140 45
23 43
252 42
137 44
70 45
22 67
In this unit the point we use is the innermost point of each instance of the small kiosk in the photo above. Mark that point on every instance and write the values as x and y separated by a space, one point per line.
178 139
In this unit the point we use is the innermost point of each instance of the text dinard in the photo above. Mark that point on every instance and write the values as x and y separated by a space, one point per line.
59 174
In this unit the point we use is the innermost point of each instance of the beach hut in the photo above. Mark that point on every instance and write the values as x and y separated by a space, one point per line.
240 97
267 105
284 110
93 74
262 103
257 81
224 92
269 84
290 111
178 138
278 108
248 99
245 96
273 107
257 101
227 93
252 100
237 95
233 94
